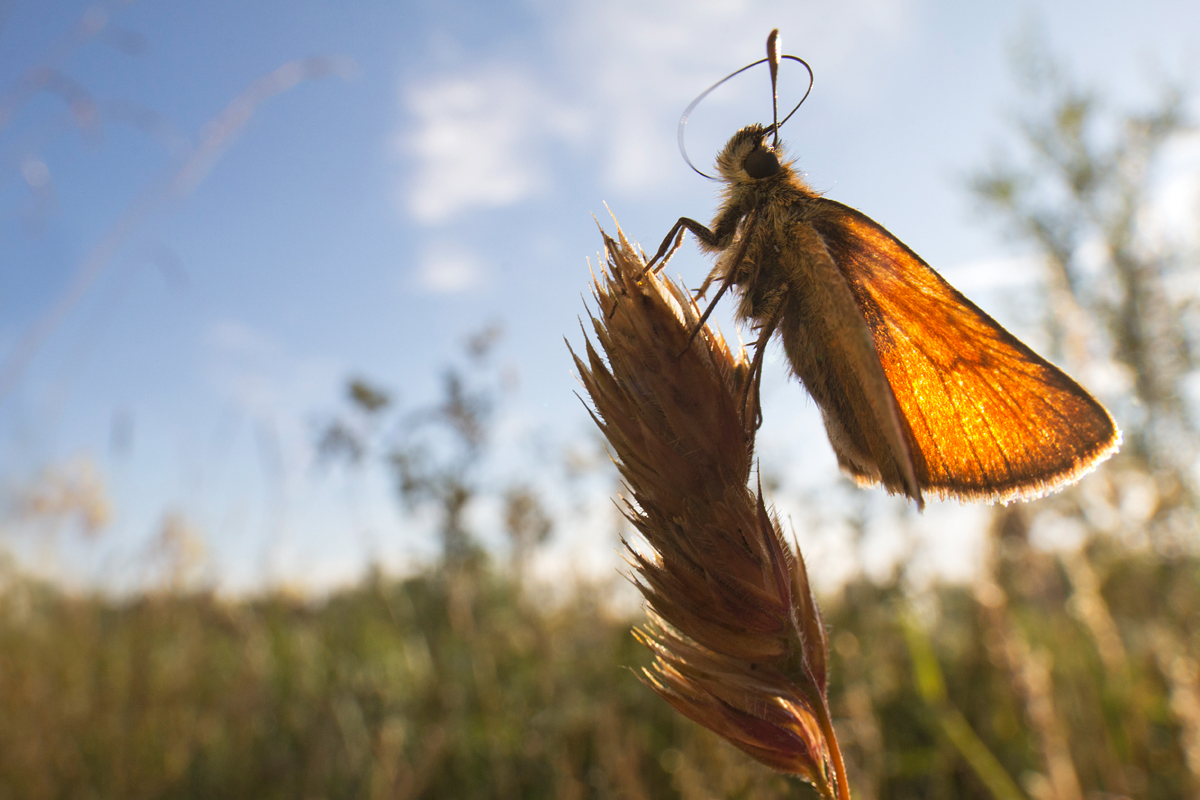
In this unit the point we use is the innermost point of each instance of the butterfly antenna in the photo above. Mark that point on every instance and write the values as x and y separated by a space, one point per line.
807 92
773 58
773 63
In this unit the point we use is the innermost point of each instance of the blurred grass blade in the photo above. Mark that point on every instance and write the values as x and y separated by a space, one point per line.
932 687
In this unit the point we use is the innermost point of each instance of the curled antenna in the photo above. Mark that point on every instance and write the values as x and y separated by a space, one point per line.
773 58
773 63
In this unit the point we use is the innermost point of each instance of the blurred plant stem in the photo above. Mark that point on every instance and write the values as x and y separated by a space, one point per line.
437 454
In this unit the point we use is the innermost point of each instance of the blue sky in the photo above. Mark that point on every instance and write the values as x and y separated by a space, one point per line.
442 178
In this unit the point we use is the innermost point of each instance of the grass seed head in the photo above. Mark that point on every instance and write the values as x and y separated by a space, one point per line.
737 637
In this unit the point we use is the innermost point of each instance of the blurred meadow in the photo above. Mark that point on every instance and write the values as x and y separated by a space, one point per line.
295 497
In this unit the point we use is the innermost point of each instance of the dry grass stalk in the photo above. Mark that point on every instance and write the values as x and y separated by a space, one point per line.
738 640
1182 674
1088 605
1031 672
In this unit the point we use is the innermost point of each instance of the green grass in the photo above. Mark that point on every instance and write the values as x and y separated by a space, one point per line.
458 685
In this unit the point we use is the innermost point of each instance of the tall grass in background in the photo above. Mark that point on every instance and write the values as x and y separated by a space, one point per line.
453 683
1057 675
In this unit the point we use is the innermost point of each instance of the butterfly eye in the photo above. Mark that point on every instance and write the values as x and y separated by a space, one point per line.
761 164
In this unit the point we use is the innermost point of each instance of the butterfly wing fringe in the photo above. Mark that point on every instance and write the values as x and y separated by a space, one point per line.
738 640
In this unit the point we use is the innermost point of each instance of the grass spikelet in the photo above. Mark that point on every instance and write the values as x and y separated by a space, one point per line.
737 637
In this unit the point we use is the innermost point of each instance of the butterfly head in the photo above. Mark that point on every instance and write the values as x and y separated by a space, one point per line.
749 157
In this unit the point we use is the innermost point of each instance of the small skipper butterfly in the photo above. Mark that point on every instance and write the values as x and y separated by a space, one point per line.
920 390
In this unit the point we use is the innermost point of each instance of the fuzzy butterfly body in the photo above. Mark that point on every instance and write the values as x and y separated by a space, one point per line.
920 390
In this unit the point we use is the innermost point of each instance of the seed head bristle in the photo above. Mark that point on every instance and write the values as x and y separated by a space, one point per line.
737 638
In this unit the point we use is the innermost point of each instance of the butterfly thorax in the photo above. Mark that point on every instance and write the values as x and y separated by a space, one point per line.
756 219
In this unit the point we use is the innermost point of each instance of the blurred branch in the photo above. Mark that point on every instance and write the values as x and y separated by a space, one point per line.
45 76
173 184
437 453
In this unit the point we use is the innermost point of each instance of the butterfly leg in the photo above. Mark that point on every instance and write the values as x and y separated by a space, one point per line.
754 382
676 233
667 257
704 317
727 281
719 237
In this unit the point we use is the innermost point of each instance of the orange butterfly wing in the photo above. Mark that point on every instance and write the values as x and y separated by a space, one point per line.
989 418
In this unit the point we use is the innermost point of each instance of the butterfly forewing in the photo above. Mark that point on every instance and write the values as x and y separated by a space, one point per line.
989 418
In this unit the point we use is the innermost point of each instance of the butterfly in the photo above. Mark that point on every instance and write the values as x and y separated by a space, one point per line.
920 390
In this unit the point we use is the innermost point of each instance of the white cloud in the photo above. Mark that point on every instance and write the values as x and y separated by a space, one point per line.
645 61
238 338
449 267
478 141
615 74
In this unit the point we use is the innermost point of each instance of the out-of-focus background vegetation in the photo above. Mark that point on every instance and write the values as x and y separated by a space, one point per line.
1065 665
